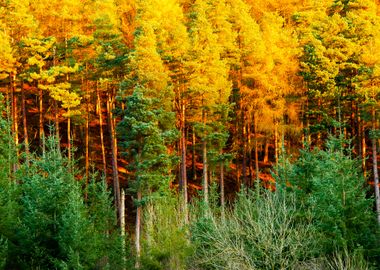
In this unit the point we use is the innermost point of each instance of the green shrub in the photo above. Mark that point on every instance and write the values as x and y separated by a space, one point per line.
259 233
166 244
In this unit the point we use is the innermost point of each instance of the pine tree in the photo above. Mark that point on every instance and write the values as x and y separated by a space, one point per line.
208 83
9 208
144 132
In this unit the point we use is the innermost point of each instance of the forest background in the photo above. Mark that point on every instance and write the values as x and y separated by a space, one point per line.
223 134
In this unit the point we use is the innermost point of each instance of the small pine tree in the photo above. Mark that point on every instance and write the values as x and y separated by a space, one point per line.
56 228
8 190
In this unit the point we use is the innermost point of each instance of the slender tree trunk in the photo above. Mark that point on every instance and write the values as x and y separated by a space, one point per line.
69 135
244 149
250 161
56 120
138 230
122 224
266 152
26 137
257 169
375 170
222 199
114 157
204 154
41 120
193 174
86 132
15 120
100 113
183 182
276 150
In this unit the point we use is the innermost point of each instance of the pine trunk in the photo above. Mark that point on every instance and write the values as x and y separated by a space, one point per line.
41 120
115 173
193 173
375 170
222 199
183 182
69 135
15 119
25 122
138 230
100 114
204 155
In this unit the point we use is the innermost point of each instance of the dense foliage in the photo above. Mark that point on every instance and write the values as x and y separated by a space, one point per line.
169 125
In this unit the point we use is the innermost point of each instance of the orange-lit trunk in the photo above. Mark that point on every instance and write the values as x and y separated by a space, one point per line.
69 135
100 115
15 118
25 126
115 173
205 163
375 170
41 120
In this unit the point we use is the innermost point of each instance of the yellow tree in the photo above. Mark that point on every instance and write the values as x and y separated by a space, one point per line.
208 82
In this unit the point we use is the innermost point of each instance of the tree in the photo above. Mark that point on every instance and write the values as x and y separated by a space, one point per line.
331 191
145 131
56 228
208 82
9 208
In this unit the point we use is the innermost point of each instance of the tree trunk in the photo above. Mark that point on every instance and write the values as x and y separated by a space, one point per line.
250 161
266 152
183 180
122 224
114 157
101 132
244 149
138 230
276 151
69 135
14 119
204 154
222 199
25 122
86 133
375 170
193 173
41 120
257 169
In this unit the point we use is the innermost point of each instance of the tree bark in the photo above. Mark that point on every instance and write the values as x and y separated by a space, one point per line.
41 120
115 173
266 152
375 170
222 199
138 230
100 115
122 224
193 173
257 169
276 151
244 149
14 120
25 122
86 133
69 135
183 182
204 155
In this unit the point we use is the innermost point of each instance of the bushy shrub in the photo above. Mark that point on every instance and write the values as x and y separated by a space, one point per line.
258 233
166 244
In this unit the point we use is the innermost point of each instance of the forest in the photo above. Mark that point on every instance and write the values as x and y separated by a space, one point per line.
190 134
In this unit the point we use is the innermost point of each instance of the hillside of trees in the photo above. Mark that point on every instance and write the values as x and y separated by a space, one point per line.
189 134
